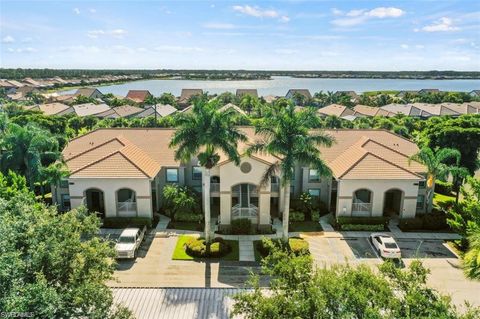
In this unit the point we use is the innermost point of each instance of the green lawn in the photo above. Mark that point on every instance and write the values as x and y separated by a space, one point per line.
306 226
180 254
186 226
439 198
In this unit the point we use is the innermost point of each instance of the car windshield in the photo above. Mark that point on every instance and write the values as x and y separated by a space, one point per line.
126 240
390 245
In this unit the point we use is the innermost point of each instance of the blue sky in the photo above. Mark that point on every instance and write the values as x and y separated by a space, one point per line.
287 35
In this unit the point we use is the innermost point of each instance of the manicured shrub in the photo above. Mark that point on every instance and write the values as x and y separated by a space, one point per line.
342 220
297 246
124 222
435 221
360 227
296 216
188 217
322 209
444 188
315 216
407 224
241 226
218 248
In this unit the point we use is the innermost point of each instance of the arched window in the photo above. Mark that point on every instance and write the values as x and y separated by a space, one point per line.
362 202
362 196
126 202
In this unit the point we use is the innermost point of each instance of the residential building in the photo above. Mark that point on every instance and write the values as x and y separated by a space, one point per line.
402 94
234 107
372 111
435 109
138 96
460 108
336 110
89 109
474 93
242 92
304 92
124 111
270 98
89 92
121 172
424 91
187 94
8 87
52 108
161 110
405 109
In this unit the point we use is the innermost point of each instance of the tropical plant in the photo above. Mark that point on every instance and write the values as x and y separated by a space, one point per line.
203 134
52 175
248 103
437 164
471 259
287 135
167 98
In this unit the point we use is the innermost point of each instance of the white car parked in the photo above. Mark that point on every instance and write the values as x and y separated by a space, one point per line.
129 242
385 245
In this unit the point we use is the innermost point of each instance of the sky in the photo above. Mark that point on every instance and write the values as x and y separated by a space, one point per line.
266 35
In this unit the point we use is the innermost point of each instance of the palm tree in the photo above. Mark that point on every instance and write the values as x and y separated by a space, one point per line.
458 175
26 149
204 133
248 103
286 135
437 165
52 175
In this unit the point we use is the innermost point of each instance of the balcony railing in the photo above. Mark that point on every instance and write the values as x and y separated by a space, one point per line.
275 187
214 187
126 209
245 212
361 209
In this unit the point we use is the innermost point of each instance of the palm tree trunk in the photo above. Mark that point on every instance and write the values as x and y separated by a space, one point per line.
286 211
206 202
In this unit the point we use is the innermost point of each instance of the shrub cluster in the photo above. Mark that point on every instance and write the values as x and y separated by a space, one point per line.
218 248
123 222
296 216
315 216
296 246
360 227
241 226
444 188
188 217
430 221
380 220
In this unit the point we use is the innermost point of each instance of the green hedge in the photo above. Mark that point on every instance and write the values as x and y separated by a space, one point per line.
241 226
315 216
296 216
360 227
343 220
430 221
218 248
188 217
297 246
123 222
444 188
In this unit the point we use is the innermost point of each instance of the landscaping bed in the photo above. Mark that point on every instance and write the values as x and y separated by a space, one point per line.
305 226
193 248
296 245
194 226
430 222
346 223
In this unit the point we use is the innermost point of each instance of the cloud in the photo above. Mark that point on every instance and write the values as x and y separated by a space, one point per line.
8 39
359 16
178 49
442 25
260 13
76 10
219 26
116 33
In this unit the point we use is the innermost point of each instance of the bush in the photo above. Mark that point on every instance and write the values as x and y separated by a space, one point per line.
188 217
322 209
315 216
430 221
360 227
407 224
241 226
218 248
342 220
123 222
296 216
444 188
296 246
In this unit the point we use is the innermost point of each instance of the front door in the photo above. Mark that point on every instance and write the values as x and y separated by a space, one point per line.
96 200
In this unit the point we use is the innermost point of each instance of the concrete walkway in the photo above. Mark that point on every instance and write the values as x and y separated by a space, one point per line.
163 223
246 252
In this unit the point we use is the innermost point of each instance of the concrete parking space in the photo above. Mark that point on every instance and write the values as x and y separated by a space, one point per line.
417 248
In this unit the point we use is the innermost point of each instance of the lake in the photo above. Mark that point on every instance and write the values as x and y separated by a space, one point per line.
279 85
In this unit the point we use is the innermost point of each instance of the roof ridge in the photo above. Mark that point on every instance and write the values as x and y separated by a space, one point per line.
97 146
398 166
95 161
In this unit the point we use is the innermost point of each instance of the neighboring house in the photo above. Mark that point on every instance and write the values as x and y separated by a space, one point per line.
161 109
352 94
67 98
8 87
435 109
402 94
121 172
461 108
53 109
16 83
89 92
242 92
475 105
336 110
24 90
405 109
372 111
88 109
138 96
234 107
188 109
187 94
291 93
32 82
270 98
124 111
424 91
474 93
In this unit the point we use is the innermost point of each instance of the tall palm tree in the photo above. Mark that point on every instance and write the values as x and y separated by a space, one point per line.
52 175
437 163
248 103
203 134
287 135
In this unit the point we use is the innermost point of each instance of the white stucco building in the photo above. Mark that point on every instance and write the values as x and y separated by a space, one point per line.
121 172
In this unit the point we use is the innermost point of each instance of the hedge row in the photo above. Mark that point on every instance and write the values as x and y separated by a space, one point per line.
297 246
430 221
218 248
347 220
123 222
188 217
444 188
360 227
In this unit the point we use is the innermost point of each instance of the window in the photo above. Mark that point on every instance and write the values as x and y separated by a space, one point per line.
420 201
314 192
64 183
172 175
292 190
313 176
196 173
421 185
198 189
66 202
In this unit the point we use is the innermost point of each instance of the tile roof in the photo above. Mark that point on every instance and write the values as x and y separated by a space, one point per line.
304 92
435 109
90 109
241 92
188 93
141 152
53 108
138 96
372 111
88 92
336 109
232 106
162 111
121 111
406 109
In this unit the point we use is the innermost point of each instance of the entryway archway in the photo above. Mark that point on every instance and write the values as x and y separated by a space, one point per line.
393 203
95 201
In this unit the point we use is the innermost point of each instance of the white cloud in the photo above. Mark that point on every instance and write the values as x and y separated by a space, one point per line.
260 13
404 46
359 16
8 39
219 26
11 50
442 25
92 10
116 33
337 12
178 49
76 10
